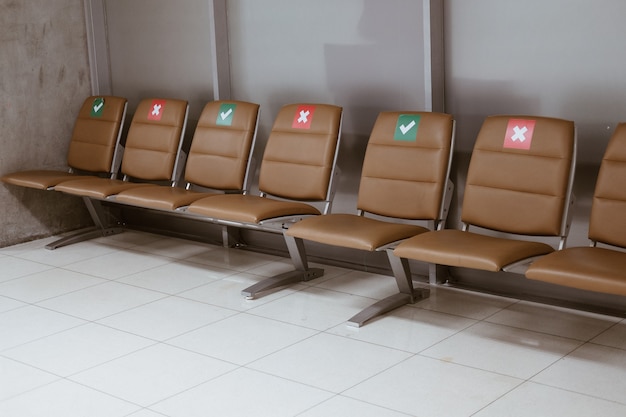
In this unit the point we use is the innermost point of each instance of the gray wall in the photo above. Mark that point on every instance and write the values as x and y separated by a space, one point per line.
44 78
160 48
560 58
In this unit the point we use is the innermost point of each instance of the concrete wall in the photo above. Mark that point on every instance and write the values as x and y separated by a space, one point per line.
44 78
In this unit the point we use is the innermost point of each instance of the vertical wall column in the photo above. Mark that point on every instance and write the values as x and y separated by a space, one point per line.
434 64
98 47
220 49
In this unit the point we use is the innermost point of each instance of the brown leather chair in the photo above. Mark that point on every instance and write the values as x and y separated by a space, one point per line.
218 160
296 173
92 150
404 179
519 182
152 154
595 268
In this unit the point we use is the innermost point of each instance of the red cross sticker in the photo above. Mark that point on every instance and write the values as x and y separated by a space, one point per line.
156 110
519 134
303 117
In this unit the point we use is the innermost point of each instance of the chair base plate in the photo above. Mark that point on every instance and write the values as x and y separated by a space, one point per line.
281 280
386 305
84 235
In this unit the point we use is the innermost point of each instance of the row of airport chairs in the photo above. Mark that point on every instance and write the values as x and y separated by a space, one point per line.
518 194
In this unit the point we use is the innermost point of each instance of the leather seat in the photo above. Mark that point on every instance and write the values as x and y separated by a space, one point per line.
404 180
519 182
93 145
297 169
151 153
594 268
218 160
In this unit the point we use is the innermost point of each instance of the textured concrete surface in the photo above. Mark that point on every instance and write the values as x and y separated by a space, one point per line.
44 77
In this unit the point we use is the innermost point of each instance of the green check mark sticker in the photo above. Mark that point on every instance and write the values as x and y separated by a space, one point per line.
97 107
225 114
406 127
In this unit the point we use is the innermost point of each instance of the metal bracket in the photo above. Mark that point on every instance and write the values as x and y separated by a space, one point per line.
407 295
302 272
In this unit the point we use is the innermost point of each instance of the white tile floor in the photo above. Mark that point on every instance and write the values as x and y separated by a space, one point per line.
146 326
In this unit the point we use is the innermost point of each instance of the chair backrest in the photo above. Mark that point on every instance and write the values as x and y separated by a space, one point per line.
406 165
300 154
96 134
219 156
607 223
520 175
154 139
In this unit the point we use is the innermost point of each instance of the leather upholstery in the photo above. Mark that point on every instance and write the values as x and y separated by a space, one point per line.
297 165
608 221
600 269
219 155
150 154
519 191
152 145
98 188
94 138
512 191
352 231
587 268
39 179
218 158
469 250
250 209
406 179
399 179
159 197
92 146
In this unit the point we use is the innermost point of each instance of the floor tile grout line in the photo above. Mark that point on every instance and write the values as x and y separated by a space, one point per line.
344 392
623 349
27 275
522 329
327 331
67 377
48 335
581 345
499 398
576 392
343 396
236 313
108 361
30 390
108 394
21 256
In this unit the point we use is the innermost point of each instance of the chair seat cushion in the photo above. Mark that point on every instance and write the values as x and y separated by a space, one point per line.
159 197
469 250
40 179
352 231
248 208
99 188
587 268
